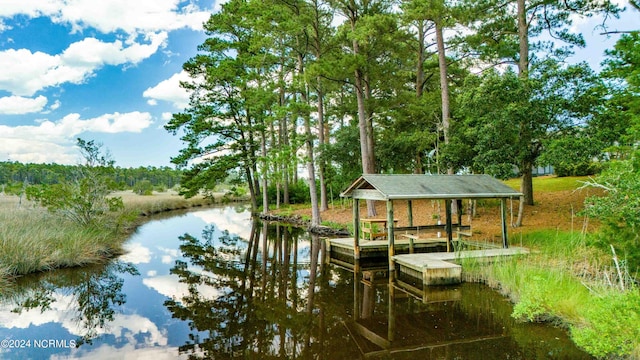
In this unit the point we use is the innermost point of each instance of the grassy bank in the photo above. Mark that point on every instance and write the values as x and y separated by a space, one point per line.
32 239
567 282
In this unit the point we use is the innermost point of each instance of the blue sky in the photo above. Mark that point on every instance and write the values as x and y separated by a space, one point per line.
109 71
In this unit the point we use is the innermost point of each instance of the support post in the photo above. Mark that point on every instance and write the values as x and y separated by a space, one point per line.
447 209
503 216
459 207
356 290
391 328
410 212
390 239
356 228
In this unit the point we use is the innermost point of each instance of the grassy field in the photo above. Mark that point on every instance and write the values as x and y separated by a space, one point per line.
551 183
32 239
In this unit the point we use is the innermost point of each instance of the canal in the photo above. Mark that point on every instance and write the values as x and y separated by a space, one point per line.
217 284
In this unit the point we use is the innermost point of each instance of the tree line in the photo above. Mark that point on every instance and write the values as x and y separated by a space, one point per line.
335 88
14 176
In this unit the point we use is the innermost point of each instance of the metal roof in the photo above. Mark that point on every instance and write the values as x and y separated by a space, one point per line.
406 187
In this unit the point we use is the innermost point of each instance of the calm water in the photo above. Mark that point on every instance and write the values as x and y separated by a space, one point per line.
214 284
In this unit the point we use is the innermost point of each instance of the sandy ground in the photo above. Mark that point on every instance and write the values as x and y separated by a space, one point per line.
552 210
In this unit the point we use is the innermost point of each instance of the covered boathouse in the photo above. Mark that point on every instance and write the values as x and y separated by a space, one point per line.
382 236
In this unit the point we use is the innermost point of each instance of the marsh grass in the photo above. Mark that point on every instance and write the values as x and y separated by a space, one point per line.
567 282
161 202
33 239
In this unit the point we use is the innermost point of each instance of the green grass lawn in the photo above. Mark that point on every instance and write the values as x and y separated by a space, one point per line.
551 183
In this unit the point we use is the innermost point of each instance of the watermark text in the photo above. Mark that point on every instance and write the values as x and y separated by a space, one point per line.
37 344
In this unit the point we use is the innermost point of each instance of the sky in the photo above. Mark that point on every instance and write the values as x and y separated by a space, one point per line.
109 71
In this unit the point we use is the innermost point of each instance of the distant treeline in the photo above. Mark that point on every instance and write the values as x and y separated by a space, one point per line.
14 174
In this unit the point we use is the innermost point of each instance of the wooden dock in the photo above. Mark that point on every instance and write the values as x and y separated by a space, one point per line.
443 268
374 254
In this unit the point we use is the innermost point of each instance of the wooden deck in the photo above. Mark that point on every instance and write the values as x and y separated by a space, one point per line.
443 268
347 243
374 254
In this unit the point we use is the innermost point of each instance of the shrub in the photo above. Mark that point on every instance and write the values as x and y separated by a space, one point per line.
143 187
613 326
619 210
84 199
298 193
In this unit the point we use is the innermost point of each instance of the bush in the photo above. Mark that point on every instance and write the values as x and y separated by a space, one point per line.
298 193
84 199
613 326
619 210
143 187
572 155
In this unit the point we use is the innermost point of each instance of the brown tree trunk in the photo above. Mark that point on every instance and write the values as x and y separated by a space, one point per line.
526 185
311 172
324 203
365 156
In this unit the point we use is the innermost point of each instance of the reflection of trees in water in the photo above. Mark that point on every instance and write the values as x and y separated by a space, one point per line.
95 291
267 303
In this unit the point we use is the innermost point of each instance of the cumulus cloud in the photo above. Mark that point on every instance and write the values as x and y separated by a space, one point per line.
169 90
140 16
14 105
136 253
50 141
25 72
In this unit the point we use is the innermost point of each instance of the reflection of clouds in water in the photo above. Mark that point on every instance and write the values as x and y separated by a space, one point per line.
130 326
64 312
171 255
171 252
170 286
128 351
228 219
136 253
60 311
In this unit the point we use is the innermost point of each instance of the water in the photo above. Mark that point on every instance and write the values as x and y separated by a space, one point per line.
210 284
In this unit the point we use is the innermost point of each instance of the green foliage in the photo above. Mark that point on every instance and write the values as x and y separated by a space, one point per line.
14 174
619 210
506 120
85 199
143 187
612 326
562 281
344 155
298 193
572 155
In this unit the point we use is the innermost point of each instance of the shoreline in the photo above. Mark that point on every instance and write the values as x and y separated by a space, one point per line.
28 249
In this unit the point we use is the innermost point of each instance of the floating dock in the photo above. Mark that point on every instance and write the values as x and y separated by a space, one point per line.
443 268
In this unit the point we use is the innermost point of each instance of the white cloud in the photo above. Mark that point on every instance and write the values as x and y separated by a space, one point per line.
25 72
169 90
51 141
136 253
140 16
56 104
128 351
13 105
135 330
171 286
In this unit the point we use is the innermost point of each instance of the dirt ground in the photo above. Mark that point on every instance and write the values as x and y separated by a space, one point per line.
552 210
